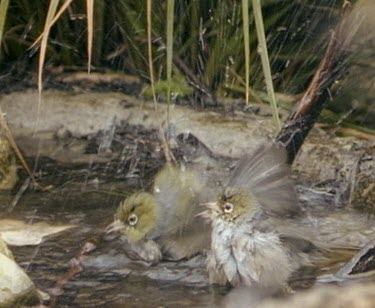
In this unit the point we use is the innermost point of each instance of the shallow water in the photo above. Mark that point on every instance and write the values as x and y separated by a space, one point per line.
108 278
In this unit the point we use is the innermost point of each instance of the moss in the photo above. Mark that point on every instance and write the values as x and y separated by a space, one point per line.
179 89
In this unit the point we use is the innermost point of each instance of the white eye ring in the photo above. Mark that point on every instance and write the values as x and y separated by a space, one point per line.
133 219
228 207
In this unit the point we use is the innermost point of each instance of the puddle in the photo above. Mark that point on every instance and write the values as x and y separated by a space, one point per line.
108 278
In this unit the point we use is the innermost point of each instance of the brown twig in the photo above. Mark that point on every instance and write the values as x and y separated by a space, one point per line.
75 268
4 125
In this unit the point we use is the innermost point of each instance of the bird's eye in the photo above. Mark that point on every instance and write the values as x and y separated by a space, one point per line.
228 207
133 219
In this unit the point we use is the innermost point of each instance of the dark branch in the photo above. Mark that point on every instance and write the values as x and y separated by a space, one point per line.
309 107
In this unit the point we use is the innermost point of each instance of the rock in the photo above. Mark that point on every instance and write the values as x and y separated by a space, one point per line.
62 114
363 197
5 250
106 261
361 295
16 288
343 167
361 265
20 233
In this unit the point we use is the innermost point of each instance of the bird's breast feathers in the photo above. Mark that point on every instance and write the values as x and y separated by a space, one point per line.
247 256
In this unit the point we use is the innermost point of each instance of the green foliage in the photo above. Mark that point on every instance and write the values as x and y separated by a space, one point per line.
208 38
177 87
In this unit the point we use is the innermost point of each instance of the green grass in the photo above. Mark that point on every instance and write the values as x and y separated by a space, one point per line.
207 36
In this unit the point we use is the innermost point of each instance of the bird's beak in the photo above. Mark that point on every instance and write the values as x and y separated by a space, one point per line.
117 225
212 210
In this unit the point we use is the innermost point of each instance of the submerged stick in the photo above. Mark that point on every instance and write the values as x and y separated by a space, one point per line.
331 68
74 268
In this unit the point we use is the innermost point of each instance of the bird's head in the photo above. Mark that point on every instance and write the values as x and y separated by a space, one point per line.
231 206
135 217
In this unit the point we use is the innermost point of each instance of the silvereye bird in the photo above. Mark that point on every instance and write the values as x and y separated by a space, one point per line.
246 246
163 223
8 168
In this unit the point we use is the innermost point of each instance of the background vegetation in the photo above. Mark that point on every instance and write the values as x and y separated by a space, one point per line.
208 38
208 41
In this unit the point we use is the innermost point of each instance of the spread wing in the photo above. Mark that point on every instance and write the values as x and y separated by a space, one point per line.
266 175
178 194
299 239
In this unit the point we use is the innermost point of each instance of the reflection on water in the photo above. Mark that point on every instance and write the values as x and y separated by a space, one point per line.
109 278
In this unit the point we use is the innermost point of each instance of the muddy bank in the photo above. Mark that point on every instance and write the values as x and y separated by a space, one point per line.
92 128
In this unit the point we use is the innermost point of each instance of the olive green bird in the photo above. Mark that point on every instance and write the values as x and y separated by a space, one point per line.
164 224
251 244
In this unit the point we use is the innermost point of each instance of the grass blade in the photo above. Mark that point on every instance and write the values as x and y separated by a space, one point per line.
265 61
3 15
57 16
246 34
170 18
42 53
90 30
149 47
